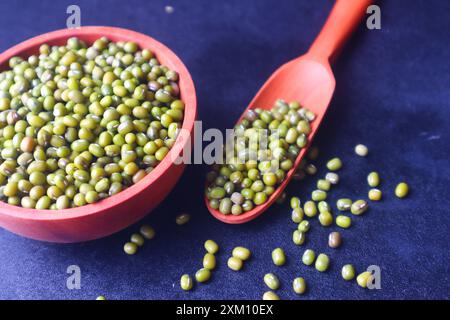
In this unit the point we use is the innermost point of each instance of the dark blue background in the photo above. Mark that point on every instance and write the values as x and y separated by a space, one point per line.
393 90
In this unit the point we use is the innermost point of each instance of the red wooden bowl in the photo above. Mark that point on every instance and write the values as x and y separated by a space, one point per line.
125 208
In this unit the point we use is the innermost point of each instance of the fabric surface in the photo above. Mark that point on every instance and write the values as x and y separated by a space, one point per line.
392 94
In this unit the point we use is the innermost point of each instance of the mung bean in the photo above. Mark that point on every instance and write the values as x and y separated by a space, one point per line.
278 257
402 190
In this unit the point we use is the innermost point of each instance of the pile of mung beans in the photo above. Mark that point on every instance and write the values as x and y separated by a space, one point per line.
80 123
267 143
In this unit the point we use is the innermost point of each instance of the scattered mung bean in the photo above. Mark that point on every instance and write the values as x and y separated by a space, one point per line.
238 186
270 295
211 246
311 169
304 226
295 202
299 285
344 204
234 263
318 195
182 219
278 257
364 278
271 281
343 221
186 282
130 248
209 261
402 190
373 179
241 253
323 206
137 239
308 258
334 164
322 262
332 177
147 231
359 207
325 218
348 272
297 215
298 237
361 150
375 194
334 239
203 275
310 209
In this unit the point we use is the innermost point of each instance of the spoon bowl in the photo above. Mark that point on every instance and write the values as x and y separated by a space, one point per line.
308 80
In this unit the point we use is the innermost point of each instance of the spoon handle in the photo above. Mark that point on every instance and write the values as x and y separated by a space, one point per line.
343 19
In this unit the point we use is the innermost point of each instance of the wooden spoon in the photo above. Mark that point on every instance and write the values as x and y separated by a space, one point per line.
307 79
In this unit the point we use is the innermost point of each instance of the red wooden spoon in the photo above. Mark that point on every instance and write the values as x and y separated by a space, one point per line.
307 79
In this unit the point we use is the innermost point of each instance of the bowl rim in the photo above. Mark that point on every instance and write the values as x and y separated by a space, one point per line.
187 90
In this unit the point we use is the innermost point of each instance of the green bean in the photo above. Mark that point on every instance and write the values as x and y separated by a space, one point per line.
332 177
147 232
271 281
77 115
359 207
203 275
186 282
241 185
304 226
322 262
270 295
130 248
299 285
325 218
297 215
278 257
137 239
343 221
182 219
241 253
373 179
211 246
375 194
344 204
298 237
308 258
348 272
209 261
323 206
318 195
334 239
310 209
364 278
361 150
235 263
334 164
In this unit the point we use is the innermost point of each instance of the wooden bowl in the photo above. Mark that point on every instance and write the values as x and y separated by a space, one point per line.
114 213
